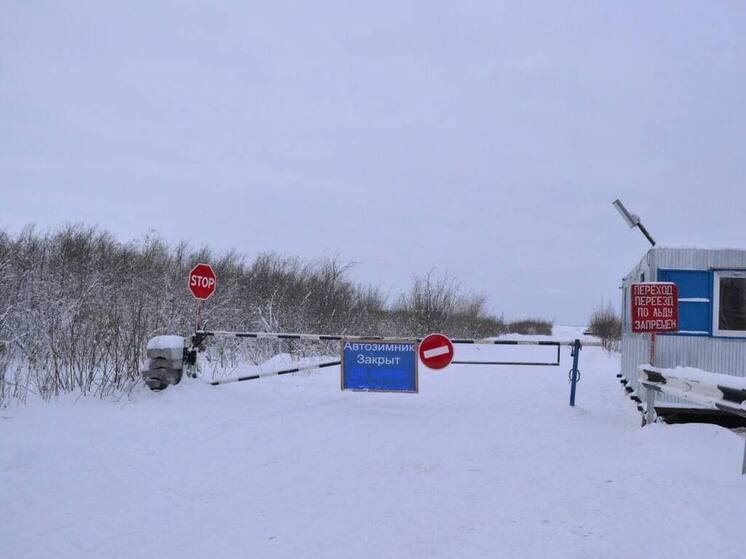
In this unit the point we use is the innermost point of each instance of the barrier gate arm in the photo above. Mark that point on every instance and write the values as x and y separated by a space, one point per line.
574 375
201 335
275 373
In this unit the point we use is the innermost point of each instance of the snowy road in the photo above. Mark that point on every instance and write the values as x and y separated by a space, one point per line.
484 462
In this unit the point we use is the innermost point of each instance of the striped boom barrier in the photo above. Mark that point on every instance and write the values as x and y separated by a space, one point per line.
574 374
275 373
202 334
710 390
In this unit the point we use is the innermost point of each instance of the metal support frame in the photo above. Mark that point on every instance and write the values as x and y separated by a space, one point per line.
513 342
201 335
574 372
534 363
645 232
649 416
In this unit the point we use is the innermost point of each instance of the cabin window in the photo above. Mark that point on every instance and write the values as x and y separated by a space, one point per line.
729 310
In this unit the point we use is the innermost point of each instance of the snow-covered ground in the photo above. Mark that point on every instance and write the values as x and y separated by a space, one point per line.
483 462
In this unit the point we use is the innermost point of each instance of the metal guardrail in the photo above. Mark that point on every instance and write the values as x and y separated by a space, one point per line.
710 390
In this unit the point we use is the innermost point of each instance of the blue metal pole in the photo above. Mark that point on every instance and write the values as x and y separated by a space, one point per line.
574 373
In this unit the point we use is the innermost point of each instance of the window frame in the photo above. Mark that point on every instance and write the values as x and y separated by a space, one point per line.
716 275
703 298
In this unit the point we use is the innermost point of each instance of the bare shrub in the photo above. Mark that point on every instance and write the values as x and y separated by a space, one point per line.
77 307
607 325
428 305
531 327
436 304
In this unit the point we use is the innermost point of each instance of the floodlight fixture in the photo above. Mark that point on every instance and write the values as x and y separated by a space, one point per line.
633 220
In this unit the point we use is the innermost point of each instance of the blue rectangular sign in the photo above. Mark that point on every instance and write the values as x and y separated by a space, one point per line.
389 366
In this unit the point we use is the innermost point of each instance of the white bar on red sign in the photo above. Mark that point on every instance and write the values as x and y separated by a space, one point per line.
434 352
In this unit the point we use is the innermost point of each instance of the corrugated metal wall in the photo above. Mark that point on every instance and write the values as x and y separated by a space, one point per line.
635 352
697 258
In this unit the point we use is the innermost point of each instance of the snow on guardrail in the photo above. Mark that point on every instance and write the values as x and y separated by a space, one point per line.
711 390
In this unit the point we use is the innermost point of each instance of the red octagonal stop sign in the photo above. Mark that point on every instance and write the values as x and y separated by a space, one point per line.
202 281
436 351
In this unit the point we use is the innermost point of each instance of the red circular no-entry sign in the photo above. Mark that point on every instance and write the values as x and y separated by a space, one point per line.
202 281
436 351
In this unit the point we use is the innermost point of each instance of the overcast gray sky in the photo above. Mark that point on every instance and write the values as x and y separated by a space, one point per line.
484 138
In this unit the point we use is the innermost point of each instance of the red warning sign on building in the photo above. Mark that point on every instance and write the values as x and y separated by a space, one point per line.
655 307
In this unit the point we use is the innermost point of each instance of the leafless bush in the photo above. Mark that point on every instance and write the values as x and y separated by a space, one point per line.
530 327
607 325
428 306
436 304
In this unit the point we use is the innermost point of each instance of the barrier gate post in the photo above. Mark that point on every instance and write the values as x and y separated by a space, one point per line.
574 373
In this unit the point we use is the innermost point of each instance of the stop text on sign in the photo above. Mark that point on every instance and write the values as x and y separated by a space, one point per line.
202 281
655 307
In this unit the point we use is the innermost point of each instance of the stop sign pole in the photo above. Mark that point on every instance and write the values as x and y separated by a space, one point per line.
202 282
